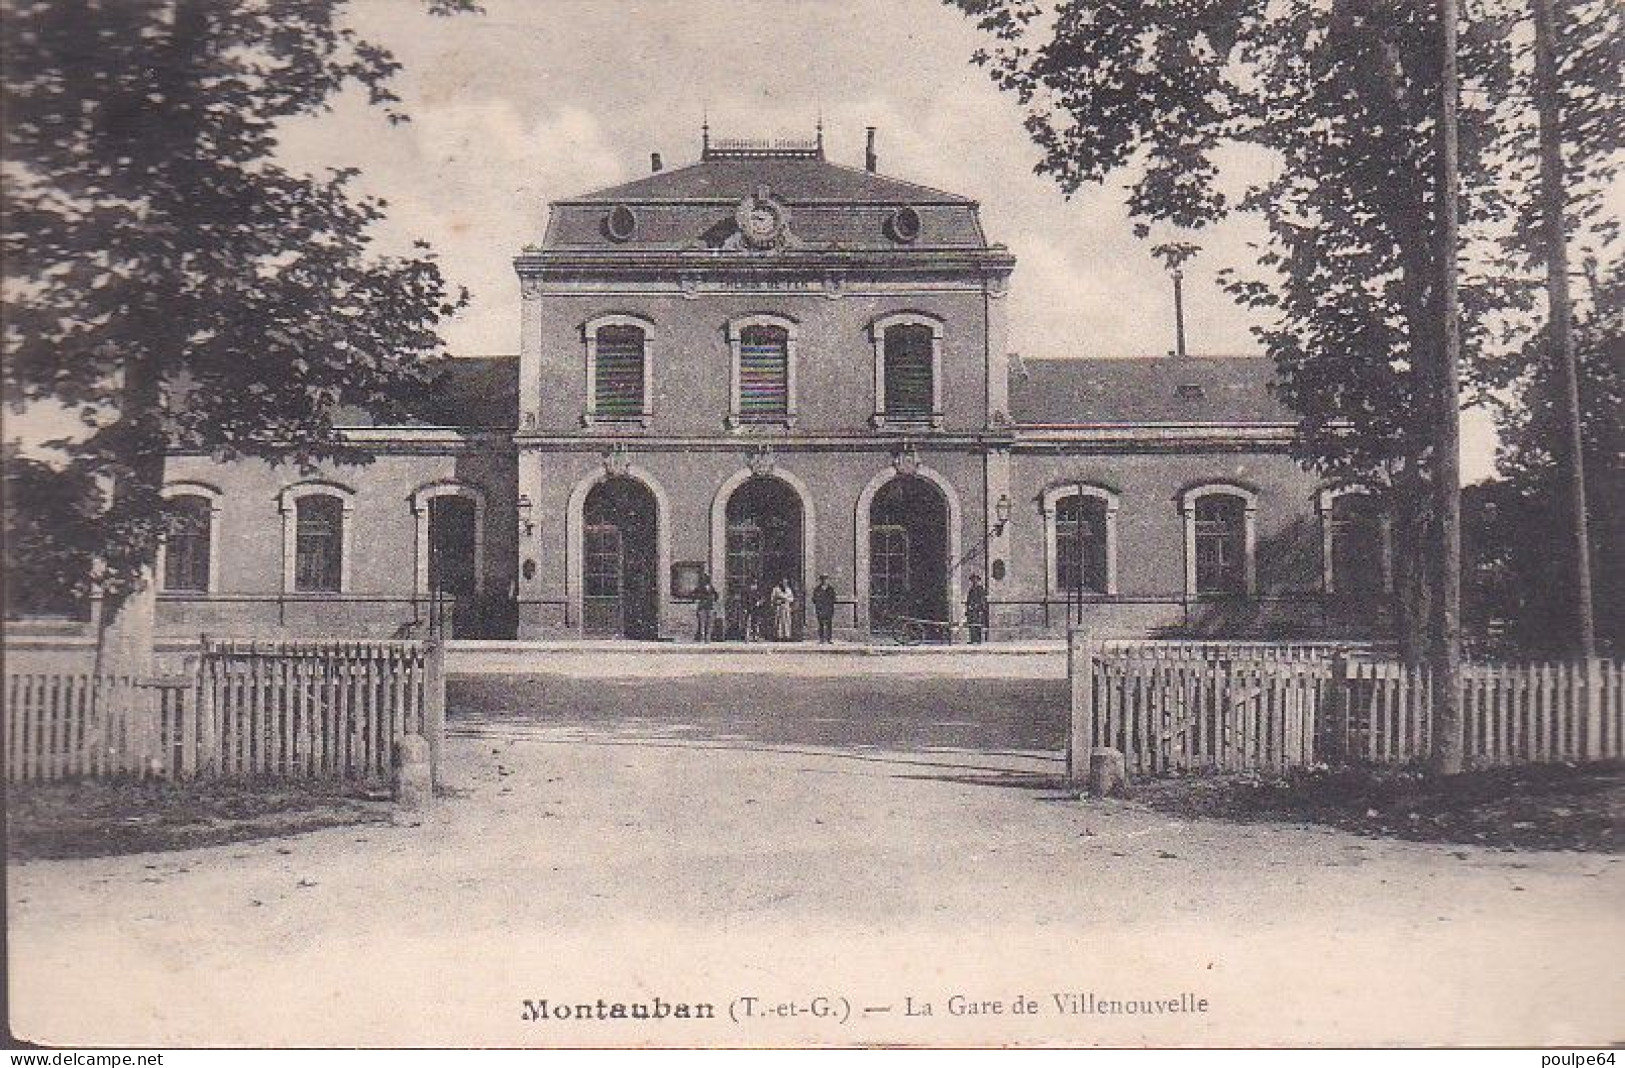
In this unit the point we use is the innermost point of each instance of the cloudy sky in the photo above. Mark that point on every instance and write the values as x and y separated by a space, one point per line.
541 99
537 100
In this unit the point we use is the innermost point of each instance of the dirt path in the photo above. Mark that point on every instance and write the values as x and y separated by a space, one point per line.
627 863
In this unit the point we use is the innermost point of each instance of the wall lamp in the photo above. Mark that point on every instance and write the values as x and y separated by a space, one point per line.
1001 512
523 507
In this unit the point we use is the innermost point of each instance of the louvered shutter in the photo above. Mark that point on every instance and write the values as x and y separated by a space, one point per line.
908 372
618 376
764 373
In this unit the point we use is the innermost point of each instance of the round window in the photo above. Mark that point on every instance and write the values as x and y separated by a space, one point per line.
621 223
904 224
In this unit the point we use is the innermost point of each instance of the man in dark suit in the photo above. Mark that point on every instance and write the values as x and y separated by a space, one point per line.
705 606
823 599
976 610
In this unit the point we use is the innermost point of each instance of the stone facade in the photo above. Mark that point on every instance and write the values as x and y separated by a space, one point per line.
765 366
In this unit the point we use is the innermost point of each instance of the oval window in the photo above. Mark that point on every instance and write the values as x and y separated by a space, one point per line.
904 224
621 223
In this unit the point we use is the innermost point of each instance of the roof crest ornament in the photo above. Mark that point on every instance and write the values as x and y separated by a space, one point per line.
715 148
763 222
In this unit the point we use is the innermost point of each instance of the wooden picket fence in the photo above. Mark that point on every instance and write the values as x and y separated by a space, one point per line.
61 726
265 709
1511 713
1179 706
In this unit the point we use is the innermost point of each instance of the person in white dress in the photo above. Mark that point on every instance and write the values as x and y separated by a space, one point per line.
783 599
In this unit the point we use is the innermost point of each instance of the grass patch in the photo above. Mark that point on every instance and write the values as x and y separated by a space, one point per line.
1544 806
97 818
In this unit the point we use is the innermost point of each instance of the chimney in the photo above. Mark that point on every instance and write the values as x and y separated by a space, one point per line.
654 163
870 161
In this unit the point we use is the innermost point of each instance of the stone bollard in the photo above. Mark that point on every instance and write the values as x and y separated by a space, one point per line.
1108 773
414 785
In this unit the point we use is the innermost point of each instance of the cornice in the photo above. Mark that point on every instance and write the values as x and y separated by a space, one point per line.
556 262
1139 437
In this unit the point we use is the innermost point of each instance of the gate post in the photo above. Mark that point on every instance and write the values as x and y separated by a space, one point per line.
1335 733
1080 734
1593 711
434 704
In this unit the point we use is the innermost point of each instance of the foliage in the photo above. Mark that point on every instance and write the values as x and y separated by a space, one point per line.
1520 564
51 537
1330 110
167 277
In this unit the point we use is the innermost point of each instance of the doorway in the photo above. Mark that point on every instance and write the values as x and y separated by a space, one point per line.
620 586
763 546
908 556
454 608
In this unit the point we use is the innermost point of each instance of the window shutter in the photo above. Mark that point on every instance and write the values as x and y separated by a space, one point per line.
908 372
764 373
618 385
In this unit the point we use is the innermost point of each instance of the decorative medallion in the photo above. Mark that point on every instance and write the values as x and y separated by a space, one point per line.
834 285
906 460
763 221
761 461
688 284
616 461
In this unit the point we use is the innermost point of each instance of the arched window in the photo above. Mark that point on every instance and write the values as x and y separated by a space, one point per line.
1080 544
450 538
617 369
909 374
908 370
188 562
320 549
316 537
1355 541
1219 541
764 370
1081 540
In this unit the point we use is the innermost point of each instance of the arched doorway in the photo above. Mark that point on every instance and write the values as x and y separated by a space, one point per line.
908 554
763 545
619 561
452 577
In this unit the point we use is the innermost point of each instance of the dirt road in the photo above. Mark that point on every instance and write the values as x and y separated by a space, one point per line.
836 888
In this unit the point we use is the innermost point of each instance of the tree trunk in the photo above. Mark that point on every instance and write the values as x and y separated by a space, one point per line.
126 625
1412 603
1446 757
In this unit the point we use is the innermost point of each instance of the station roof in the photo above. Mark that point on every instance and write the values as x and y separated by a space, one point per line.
1155 389
831 207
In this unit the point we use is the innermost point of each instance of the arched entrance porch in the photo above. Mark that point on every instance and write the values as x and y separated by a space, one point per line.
764 541
620 562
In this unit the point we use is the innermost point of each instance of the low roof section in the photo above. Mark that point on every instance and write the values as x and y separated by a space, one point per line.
1155 389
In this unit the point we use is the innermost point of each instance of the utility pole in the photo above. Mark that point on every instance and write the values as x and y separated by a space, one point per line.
1173 255
1446 757
1560 324
1179 312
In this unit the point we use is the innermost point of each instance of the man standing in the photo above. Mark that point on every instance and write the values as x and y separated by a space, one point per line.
823 599
976 610
705 605
751 607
